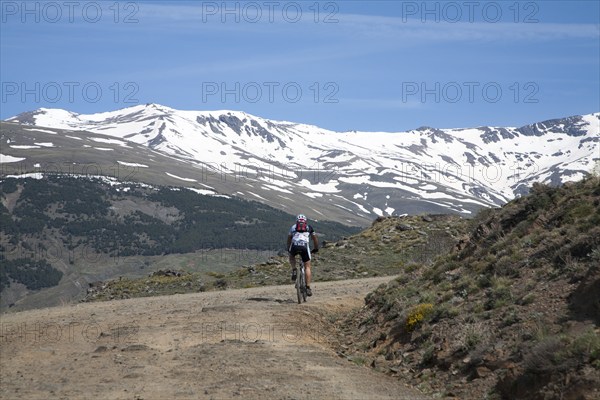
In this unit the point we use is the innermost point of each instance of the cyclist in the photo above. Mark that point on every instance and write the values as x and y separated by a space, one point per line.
298 242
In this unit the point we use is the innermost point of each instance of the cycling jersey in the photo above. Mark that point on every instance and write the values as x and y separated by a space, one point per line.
301 238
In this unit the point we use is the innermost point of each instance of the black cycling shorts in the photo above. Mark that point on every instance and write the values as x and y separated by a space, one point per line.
302 250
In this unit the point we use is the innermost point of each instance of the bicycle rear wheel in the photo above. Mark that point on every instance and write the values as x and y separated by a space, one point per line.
299 284
303 273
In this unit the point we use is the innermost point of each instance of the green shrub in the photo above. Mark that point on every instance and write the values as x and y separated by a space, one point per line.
586 346
428 356
527 299
510 318
581 210
563 353
411 267
444 311
499 294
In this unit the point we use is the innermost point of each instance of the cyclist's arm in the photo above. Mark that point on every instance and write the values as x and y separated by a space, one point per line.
289 242
315 240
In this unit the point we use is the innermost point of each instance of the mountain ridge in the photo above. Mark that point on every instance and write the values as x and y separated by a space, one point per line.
363 174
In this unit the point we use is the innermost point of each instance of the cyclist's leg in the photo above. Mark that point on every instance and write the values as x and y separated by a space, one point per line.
293 262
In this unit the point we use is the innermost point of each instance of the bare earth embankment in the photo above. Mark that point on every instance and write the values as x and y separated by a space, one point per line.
249 343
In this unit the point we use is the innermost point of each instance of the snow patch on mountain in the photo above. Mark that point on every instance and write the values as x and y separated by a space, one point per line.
9 159
180 178
128 164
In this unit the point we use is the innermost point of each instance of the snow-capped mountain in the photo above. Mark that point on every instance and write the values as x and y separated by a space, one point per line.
358 174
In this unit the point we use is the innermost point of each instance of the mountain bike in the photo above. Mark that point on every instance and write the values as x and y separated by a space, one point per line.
301 283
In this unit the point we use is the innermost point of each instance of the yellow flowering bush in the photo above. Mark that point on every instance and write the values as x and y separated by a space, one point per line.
417 315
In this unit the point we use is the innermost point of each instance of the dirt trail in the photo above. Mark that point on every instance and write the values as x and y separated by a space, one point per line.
250 343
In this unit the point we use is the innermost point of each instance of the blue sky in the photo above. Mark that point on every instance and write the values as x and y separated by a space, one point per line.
341 65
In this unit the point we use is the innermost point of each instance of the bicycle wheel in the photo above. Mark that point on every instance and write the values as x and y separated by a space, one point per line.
303 285
303 280
299 284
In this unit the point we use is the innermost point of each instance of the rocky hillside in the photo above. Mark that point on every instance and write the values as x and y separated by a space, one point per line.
512 312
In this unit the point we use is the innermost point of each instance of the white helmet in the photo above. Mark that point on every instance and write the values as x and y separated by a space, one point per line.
301 217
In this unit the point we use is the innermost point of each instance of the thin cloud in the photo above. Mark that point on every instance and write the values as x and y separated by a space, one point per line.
365 26
400 28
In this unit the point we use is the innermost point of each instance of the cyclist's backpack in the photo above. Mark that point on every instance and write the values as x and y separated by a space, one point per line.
301 226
